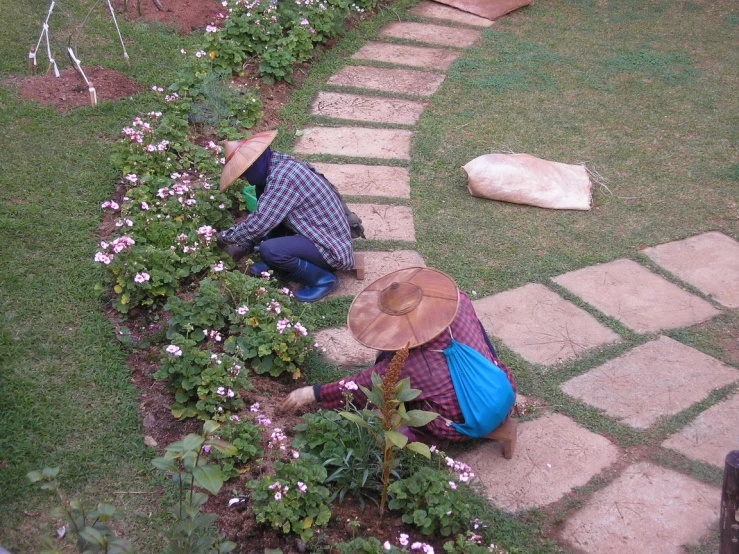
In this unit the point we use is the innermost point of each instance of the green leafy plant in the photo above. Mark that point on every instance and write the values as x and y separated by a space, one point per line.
89 527
245 437
207 311
348 451
430 501
294 498
205 383
388 395
184 462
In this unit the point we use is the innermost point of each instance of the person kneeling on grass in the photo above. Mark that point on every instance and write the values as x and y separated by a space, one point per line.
299 224
450 359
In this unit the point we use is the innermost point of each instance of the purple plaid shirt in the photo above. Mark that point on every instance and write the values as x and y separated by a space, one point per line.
428 372
306 204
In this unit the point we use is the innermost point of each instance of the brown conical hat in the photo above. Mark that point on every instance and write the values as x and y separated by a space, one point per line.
406 307
240 154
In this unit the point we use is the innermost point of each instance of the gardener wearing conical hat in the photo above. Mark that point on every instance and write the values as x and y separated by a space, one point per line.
450 358
299 223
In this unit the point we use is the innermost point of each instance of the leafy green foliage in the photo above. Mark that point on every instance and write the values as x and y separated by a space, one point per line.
468 544
294 499
386 421
348 451
88 527
205 383
184 462
431 502
245 437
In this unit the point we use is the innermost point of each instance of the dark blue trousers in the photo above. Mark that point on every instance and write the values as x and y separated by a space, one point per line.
283 253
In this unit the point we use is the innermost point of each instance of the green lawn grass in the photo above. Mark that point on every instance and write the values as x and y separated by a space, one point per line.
643 92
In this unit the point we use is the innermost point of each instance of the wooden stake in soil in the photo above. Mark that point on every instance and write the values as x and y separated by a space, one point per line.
729 521
32 60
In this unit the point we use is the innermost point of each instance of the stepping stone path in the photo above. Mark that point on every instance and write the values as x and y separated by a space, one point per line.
637 505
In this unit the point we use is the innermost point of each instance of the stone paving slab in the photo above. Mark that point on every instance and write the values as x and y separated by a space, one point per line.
384 222
638 298
342 350
402 54
432 10
709 262
358 142
711 435
402 81
648 509
659 378
541 326
366 108
429 33
553 456
368 180
377 264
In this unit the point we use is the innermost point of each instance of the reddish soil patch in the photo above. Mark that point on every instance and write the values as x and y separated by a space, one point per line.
69 89
184 15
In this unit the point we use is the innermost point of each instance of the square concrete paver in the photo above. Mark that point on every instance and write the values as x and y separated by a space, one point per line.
403 81
383 222
402 54
359 142
709 262
366 108
711 435
368 180
377 264
647 510
659 378
553 456
638 298
432 10
541 326
342 350
441 35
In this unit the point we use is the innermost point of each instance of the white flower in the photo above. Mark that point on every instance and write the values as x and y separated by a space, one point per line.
142 277
218 267
387 545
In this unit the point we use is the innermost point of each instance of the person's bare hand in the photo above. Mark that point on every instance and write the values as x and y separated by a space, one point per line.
297 399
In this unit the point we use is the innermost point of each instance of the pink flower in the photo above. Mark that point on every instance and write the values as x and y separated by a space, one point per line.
351 385
175 350
230 393
453 485
387 545
110 204
254 408
218 267
302 487
206 448
403 539
278 496
220 391
144 206
234 418
103 258
142 277
241 310
211 29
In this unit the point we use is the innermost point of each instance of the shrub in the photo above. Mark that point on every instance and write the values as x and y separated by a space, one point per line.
430 501
348 451
294 499
246 438
206 384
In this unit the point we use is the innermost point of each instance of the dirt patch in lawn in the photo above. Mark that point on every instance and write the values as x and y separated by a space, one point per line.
69 89
184 15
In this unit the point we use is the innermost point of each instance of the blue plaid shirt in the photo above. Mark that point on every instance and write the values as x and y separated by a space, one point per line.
305 203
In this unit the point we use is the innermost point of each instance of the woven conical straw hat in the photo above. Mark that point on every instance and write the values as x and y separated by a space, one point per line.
240 154
406 307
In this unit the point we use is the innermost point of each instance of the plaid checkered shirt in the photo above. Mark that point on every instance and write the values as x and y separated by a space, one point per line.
429 372
306 204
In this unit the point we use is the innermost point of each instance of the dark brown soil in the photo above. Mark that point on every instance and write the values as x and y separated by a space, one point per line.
185 15
69 89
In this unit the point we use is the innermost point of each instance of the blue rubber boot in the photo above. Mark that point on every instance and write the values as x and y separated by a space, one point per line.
256 270
317 282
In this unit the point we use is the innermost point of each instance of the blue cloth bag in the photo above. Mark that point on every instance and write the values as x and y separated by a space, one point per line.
483 391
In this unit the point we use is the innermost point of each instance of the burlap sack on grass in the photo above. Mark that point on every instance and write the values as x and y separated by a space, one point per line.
526 179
